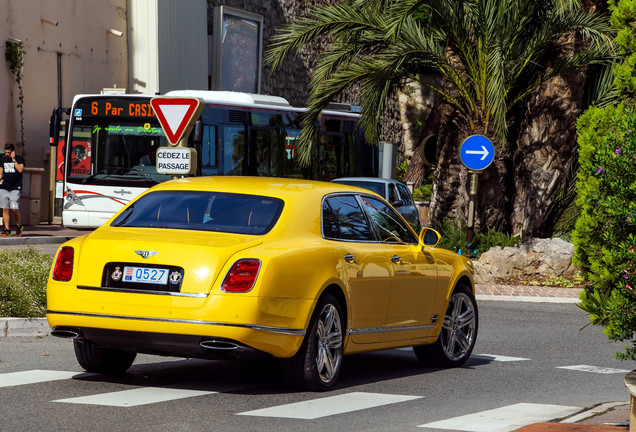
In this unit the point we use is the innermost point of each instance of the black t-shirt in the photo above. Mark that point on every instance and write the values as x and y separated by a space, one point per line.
11 178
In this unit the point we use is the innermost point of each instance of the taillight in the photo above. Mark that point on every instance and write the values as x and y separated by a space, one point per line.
242 275
63 269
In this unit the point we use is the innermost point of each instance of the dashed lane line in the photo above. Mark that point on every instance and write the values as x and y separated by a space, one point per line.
594 369
505 419
328 406
35 376
498 358
136 397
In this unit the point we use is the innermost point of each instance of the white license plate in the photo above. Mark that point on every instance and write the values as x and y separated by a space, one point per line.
145 275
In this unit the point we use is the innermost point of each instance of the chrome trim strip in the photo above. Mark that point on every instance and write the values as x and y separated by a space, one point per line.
135 291
280 330
362 331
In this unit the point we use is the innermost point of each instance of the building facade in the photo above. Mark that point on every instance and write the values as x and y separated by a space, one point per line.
145 46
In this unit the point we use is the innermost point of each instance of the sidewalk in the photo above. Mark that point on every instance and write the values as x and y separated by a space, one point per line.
41 234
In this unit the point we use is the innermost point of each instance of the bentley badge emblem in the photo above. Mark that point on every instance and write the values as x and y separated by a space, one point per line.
146 254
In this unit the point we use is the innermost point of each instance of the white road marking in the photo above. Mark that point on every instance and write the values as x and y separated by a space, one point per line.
136 397
505 419
594 369
329 406
34 376
490 357
498 358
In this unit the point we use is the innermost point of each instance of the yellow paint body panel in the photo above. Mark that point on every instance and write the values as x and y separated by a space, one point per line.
298 265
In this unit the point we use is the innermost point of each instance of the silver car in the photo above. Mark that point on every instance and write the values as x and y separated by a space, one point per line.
395 192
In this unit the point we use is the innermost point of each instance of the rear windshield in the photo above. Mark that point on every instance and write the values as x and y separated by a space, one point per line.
376 187
203 211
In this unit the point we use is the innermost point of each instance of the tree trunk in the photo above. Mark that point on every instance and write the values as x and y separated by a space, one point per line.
545 150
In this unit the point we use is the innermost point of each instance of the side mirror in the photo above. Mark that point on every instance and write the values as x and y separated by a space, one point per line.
429 237
54 127
197 137
55 124
396 203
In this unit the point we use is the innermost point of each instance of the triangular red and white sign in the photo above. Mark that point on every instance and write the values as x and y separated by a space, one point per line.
176 115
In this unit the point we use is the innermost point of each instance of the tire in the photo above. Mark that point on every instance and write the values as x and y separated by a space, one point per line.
98 359
316 366
459 332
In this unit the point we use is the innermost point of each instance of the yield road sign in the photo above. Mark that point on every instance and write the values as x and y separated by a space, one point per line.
477 152
177 115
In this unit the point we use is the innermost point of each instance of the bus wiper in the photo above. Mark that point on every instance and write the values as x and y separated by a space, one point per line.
140 176
92 176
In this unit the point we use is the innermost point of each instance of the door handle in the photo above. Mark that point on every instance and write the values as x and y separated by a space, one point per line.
396 259
350 258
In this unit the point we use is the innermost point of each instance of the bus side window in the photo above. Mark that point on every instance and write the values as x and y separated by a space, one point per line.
209 151
234 150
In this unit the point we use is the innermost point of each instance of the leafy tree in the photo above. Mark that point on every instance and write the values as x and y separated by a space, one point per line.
605 235
489 52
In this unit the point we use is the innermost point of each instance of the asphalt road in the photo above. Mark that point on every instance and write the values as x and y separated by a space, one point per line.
518 361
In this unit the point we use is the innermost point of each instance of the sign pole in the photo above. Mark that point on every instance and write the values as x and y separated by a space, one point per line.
472 200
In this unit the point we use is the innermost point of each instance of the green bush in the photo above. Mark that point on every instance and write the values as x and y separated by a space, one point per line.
423 193
454 238
605 235
23 276
402 169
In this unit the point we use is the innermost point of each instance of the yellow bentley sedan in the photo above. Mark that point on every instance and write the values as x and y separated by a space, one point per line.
248 267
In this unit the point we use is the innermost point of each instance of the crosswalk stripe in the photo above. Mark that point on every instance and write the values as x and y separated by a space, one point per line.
136 397
505 419
332 405
593 369
498 358
11 379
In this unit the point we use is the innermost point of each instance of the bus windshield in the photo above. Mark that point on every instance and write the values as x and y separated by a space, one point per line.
114 142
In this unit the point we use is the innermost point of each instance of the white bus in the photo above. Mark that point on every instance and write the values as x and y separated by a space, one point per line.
111 142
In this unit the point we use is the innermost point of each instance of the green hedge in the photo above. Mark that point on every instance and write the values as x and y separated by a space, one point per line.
454 238
605 234
23 276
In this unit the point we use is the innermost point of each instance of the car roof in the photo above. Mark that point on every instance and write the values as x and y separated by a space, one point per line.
366 179
267 186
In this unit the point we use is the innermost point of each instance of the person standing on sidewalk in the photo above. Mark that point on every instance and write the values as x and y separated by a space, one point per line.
11 166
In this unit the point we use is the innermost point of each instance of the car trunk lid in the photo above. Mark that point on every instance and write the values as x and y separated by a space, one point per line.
200 254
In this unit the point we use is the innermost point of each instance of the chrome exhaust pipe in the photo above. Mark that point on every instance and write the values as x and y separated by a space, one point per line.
64 333
219 345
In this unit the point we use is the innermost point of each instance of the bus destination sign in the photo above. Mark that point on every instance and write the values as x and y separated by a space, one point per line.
112 107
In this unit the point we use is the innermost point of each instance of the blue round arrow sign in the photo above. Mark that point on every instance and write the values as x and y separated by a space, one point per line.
477 152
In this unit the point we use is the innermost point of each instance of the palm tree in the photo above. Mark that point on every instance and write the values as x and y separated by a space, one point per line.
491 54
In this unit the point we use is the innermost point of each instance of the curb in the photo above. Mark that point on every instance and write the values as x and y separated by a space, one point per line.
16 241
12 327
527 299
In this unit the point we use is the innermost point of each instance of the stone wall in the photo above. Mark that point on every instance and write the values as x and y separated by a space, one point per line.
536 259
290 81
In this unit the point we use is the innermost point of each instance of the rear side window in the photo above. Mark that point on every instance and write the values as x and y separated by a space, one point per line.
344 219
387 223
405 195
203 211
393 196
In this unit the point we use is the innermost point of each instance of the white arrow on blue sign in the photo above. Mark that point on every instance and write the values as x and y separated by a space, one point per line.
477 152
